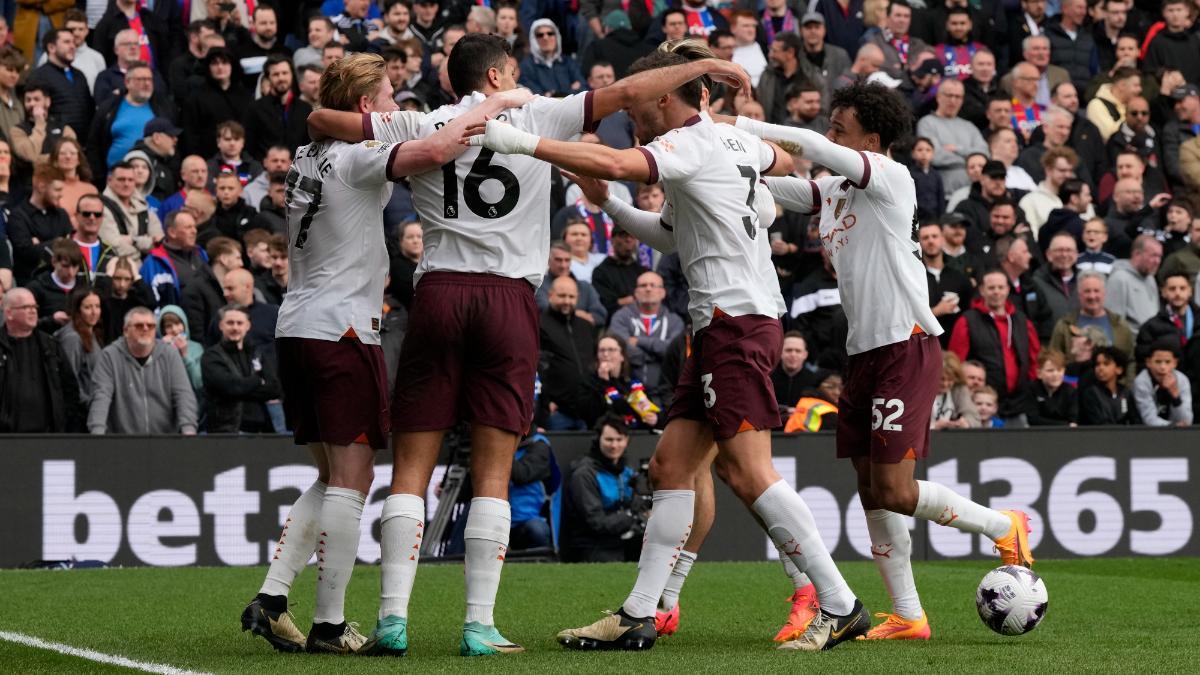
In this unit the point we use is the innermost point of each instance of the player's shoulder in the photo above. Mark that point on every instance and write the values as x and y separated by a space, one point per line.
886 169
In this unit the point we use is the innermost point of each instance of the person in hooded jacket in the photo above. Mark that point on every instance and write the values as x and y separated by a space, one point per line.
547 70
174 329
598 520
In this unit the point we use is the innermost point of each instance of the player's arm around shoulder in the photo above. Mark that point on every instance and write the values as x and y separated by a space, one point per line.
588 159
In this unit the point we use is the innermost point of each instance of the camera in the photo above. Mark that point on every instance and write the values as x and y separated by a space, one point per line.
226 6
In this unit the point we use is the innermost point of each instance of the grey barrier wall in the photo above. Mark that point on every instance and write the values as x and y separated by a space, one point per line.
219 500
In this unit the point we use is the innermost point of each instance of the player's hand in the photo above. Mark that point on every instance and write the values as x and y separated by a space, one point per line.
503 138
594 189
514 98
729 73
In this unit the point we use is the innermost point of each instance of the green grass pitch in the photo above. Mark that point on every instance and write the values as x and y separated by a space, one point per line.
1104 616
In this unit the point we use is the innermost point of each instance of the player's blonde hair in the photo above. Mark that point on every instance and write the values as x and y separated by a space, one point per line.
350 78
692 49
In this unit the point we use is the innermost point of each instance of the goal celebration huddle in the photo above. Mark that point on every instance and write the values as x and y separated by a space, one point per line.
471 349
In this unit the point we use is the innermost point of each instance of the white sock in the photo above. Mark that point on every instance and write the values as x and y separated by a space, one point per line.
337 547
670 595
799 579
791 526
296 543
401 527
667 530
944 506
486 538
891 547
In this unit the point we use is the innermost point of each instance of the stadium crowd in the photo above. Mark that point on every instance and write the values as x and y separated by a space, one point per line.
145 145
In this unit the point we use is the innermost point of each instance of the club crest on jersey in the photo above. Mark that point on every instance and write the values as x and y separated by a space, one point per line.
666 145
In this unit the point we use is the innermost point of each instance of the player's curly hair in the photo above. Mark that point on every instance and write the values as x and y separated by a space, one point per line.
879 110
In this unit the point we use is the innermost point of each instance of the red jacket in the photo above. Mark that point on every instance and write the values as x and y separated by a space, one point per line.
960 341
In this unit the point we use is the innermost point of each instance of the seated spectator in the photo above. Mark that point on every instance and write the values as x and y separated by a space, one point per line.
1185 260
974 375
1130 165
981 85
804 108
122 290
1179 320
129 226
51 287
589 307
613 388
1163 394
646 327
598 521
143 175
176 263
931 193
319 31
956 255
1055 284
1108 109
238 379
233 216
1107 401
1091 312
38 390
1131 290
953 137
1055 167
568 348
991 188
1094 258
620 46
547 70
1056 405
950 291
120 122
231 156
578 237
794 377
36 222
527 490
953 407
173 329
404 260
997 334
616 277
272 210
188 69
1003 147
82 338
986 403
65 96
194 174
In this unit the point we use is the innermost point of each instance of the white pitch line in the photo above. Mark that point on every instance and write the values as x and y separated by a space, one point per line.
92 655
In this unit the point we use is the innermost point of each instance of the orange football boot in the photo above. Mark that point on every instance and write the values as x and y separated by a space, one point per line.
896 627
804 609
667 623
1014 547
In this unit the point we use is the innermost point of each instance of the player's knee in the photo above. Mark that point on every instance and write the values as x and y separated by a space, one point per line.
895 498
669 474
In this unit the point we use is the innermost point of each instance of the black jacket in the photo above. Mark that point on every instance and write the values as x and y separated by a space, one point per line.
1058 409
1098 406
204 109
101 138
110 84
238 383
103 37
1079 56
591 528
975 101
164 172
268 124
620 48
568 355
1176 50
71 100
27 222
232 222
50 298
66 412
1159 327
614 281
951 281
201 300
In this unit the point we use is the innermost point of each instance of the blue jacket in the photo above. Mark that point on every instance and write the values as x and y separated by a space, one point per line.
531 468
555 74
159 272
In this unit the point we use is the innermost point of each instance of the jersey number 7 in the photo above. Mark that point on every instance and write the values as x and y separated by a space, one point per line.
481 170
310 187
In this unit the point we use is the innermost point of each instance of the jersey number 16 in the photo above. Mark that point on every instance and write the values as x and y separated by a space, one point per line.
482 169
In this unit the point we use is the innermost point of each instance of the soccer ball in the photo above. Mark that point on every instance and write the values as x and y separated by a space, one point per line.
1011 600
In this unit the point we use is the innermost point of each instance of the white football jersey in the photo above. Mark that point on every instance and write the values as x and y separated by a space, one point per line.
487 212
336 250
710 173
869 232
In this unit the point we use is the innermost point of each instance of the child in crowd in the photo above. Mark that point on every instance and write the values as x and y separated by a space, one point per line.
931 195
1162 393
1106 401
1057 405
987 403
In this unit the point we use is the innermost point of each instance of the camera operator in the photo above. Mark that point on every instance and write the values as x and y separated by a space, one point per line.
527 494
599 523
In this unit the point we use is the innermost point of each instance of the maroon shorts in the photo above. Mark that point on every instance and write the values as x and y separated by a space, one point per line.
334 392
726 381
471 353
887 401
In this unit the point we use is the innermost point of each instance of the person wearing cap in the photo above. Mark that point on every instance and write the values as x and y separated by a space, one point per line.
921 83
160 137
1177 44
992 186
822 62
221 98
899 48
616 277
783 73
954 138
1183 128
121 121
620 46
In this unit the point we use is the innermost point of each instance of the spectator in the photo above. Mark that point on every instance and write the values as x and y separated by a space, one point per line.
1185 260
1035 50
231 156
795 377
1162 393
1091 312
619 47
1177 44
979 88
238 288
868 60
952 407
1107 401
616 277
568 347
1055 167
140 385
273 282
547 70
33 137
66 88
332 52
747 51
320 32
121 122
1130 215
1071 45
272 210
895 41
397 16
203 296
12 112
954 249
82 338
1004 148
67 156
950 291
220 98
404 263
129 225
278 117
96 254
646 327
1108 109
974 169
783 73
121 291
578 237
1029 21
1004 226
238 379
111 82
352 25
194 173
991 187
588 307
150 33
1107 35
986 403
89 61
953 138
1076 198
613 388
1055 404
1027 107
50 287
176 263
264 43
1136 134
1129 165
1181 129
997 334
531 473
957 51
160 138
1178 321
230 18
277 160
804 105
1132 290
844 21
233 216
974 375
1189 164
598 522
1094 258
38 391
174 329
616 130
36 222
1174 234
188 69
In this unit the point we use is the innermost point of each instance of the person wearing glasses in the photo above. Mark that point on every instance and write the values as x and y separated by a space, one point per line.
38 391
1110 106
141 385
547 70
121 121
89 214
